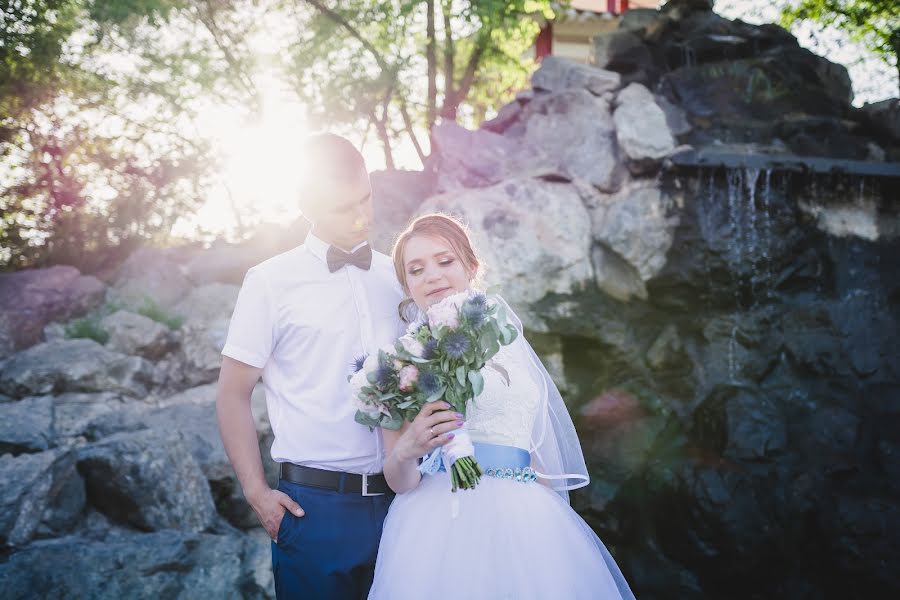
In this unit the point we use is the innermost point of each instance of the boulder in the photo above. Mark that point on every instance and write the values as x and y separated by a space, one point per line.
574 129
642 129
77 365
170 564
134 334
152 276
148 479
559 74
33 298
532 235
41 491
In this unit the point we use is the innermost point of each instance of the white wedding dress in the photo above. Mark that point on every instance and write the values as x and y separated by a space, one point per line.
505 539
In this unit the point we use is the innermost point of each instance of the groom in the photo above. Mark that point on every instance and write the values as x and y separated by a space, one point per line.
301 319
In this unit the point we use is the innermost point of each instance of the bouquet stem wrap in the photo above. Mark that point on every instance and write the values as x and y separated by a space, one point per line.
456 457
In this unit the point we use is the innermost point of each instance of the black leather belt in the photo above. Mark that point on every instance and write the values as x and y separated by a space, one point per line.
338 481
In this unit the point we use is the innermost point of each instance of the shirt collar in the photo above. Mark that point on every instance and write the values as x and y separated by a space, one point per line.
319 248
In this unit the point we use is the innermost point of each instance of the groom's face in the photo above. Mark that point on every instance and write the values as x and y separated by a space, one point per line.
341 209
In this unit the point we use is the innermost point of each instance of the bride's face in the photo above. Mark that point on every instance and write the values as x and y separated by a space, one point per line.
433 270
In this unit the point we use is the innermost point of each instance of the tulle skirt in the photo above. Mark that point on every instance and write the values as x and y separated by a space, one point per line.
502 540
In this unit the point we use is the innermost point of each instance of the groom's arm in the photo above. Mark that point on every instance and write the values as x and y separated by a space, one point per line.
238 431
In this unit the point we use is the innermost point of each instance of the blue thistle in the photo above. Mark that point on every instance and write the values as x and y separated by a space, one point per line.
384 374
456 345
430 349
475 310
428 383
358 363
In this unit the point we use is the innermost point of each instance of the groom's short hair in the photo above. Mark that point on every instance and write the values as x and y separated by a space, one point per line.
329 156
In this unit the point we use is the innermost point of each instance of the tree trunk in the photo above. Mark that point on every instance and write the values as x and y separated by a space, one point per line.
431 56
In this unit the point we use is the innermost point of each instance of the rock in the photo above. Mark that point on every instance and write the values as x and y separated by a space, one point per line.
506 116
200 357
196 420
741 425
666 350
615 276
533 235
228 262
90 415
676 117
575 128
78 365
611 408
559 74
131 333
636 19
396 195
764 86
641 128
149 276
638 225
470 159
148 479
169 564
54 331
208 304
31 299
621 448
26 425
622 52
39 480
884 117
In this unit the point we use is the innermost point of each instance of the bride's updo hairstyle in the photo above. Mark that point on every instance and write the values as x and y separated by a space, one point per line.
446 228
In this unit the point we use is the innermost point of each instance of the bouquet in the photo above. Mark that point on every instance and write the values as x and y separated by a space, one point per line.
440 357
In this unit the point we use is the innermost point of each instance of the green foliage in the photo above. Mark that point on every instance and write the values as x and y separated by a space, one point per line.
365 65
87 327
152 310
96 105
874 23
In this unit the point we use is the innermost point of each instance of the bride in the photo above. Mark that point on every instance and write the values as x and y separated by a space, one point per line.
506 538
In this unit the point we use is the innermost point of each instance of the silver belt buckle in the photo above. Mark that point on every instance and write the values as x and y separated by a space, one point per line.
365 487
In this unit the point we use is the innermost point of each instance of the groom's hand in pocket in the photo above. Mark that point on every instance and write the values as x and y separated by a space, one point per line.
270 506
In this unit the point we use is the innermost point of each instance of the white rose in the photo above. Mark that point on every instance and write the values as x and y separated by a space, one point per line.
370 364
412 345
443 314
357 382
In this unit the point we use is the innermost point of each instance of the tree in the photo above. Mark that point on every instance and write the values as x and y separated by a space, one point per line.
399 66
874 23
95 100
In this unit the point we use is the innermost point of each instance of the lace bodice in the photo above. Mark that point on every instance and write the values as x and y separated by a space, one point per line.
504 414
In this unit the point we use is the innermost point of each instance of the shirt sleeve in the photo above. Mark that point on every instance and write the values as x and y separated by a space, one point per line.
251 331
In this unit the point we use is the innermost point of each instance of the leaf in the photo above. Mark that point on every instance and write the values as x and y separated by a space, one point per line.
436 396
392 422
461 375
477 382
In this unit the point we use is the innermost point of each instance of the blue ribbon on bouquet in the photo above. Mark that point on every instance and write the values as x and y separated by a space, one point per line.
487 455
433 462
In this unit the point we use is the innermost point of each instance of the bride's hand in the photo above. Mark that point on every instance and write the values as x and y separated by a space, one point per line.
428 430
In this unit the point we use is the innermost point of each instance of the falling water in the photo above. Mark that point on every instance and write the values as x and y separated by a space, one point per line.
751 237
751 177
735 189
767 231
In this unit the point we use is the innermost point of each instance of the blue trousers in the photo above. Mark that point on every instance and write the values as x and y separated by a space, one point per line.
329 553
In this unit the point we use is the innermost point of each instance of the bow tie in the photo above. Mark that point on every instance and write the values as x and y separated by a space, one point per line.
361 258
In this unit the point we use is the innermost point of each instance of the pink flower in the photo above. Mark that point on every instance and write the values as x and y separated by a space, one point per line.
409 375
444 314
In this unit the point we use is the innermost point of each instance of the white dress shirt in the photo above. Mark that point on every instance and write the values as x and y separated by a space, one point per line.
303 326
